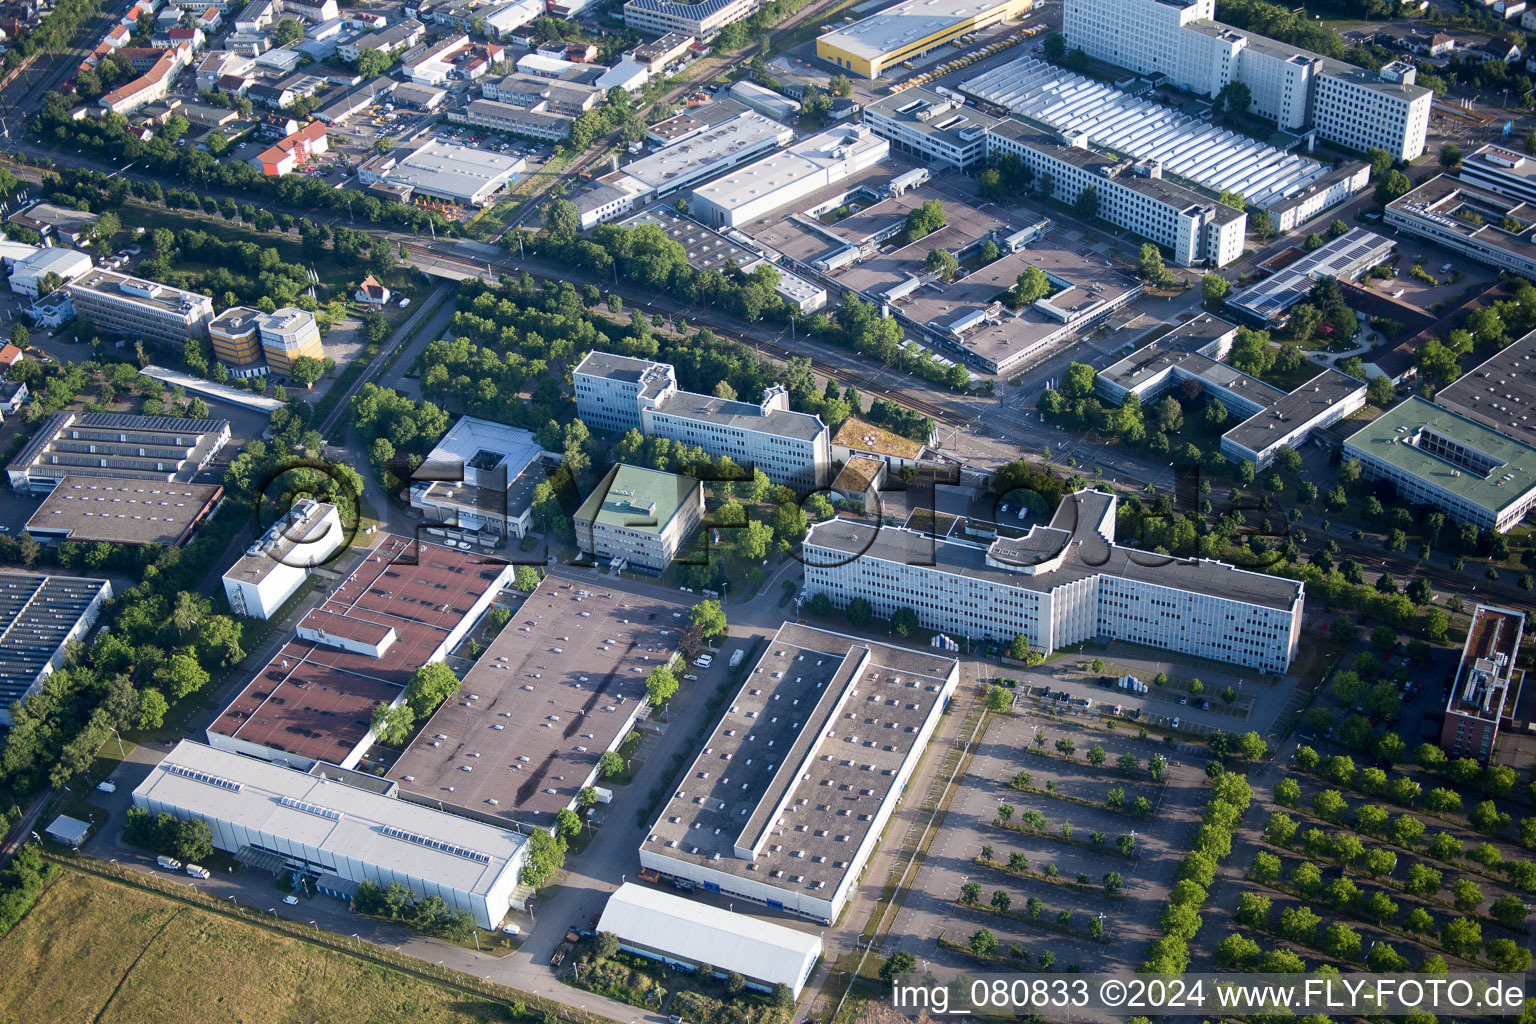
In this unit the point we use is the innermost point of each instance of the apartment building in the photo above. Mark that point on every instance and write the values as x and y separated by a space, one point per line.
1435 457
1134 196
619 393
131 307
1061 584
638 518
1487 687
1296 88
702 20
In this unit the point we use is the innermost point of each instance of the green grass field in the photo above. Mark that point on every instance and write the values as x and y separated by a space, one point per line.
93 950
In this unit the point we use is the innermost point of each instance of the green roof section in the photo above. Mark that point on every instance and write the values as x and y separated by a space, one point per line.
1395 437
637 498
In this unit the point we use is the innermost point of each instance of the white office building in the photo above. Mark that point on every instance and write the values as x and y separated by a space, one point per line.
1134 196
702 20
1059 585
337 833
479 480
936 129
1296 88
619 393
131 307
278 563
788 176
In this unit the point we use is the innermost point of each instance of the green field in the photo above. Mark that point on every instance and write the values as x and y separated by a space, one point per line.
93 950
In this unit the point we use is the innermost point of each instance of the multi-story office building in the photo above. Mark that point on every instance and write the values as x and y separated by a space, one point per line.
1498 169
619 393
1487 686
1499 392
702 20
934 128
910 29
131 307
288 334
1296 88
507 117
1061 584
639 517
1489 227
243 337
336 833
1435 457
397 37
478 481
278 562
1134 196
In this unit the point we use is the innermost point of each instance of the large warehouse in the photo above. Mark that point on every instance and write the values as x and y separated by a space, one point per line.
798 778
789 175
112 444
459 174
338 834
123 511
696 936
38 616
907 30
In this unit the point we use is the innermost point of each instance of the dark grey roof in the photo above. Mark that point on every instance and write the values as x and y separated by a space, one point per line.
1499 392
1312 399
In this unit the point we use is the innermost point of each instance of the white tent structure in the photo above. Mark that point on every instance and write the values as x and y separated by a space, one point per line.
689 934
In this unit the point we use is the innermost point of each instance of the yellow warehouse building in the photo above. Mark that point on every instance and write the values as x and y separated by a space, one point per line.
909 30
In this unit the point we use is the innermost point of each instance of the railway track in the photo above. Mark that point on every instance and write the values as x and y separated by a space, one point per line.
440 252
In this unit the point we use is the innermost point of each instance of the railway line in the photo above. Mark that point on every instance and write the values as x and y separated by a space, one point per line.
443 253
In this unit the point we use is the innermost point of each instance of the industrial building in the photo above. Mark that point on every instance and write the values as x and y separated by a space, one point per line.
516 120
249 342
765 101
638 518
1059 585
478 481
788 176
131 307
620 393
1197 228
38 615
695 936
1477 223
1190 356
1296 88
1435 457
278 562
28 275
123 511
1487 686
561 685
110 444
459 174
708 249
406 604
1292 188
657 56
936 129
696 158
1499 392
1344 259
397 37
908 30
795 783
702 20
337 835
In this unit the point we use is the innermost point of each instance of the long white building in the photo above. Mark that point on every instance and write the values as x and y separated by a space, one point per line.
1296 88
338 833
1195 227
619 393
1061 584
788 176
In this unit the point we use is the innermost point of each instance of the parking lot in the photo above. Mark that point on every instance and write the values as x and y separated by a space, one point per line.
932 906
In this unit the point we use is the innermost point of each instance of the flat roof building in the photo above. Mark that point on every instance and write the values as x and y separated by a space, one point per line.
39 615
906 30
1487 687
795 783
764 100
697 936
655 56
518 120
123 511
406 604
460 174
702 20
934 128
110 444
1500 169
326 827
393 39
28 275
278 562
620 393
1344 258
788 176
562 684
638 518
1499 392
1058 585
1437 458
132 307
1481 225
479 479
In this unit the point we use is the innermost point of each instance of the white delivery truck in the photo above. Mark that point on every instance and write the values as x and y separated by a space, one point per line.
197 871
169 863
